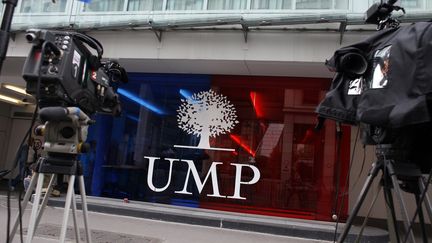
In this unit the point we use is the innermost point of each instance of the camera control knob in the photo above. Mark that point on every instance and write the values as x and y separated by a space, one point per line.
64 47
84 148
52 69
39 130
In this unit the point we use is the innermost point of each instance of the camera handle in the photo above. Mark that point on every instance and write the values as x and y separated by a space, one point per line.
5 28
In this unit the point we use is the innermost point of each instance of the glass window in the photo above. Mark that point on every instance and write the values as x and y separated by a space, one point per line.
104 6
313 4
226 4
411 3
184 4
242 144
145 5
42 6
341 4
271 4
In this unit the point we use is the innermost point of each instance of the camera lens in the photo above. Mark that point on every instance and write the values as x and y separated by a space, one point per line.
30 37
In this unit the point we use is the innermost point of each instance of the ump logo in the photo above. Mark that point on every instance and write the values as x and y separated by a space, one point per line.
206 114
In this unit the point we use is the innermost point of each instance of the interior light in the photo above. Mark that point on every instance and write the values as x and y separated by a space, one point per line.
140 101
16 89
10 100
185 93
133 118
238 141
256 103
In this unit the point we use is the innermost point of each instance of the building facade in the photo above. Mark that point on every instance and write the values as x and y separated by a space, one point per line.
218 112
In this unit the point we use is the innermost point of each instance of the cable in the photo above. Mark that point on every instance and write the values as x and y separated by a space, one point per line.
26 136
8 215
346 186
20 215
338 164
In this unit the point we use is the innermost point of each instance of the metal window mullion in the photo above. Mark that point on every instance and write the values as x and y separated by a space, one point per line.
248 4
17 7
293 4
125 5
205 5
164 5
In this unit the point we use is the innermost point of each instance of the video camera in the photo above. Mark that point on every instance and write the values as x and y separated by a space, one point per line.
61 71
70 83
384 85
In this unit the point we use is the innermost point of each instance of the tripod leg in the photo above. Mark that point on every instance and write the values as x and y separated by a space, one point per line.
67 207
367 215
421 218
74 216
428 204
45 200
391 215
84 208
401 201
372 174
26 198
32 222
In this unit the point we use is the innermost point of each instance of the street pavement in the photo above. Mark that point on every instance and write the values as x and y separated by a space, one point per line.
117 228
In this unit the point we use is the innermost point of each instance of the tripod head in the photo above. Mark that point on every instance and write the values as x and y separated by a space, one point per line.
65 132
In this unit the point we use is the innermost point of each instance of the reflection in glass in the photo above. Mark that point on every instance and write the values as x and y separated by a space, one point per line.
42 6
104 6
271 4
226 4
184 4
145 5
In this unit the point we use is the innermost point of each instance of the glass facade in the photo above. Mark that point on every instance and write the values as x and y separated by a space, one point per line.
42 6
48 6
243 144
185 4
145 5
166 13
268 4
104 6
226 4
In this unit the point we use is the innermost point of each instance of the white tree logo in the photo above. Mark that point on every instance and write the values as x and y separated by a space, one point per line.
206 114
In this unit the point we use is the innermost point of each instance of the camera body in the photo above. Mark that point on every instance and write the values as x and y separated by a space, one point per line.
383 84
61 71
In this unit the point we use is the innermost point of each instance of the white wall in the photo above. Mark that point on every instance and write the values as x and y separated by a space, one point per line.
274 53
5 123
18 129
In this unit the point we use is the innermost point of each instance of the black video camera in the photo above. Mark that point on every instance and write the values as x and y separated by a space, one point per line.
383 84
61 71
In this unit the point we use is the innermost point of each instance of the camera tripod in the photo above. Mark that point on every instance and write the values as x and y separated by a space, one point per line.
64 130
397 176
36 213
